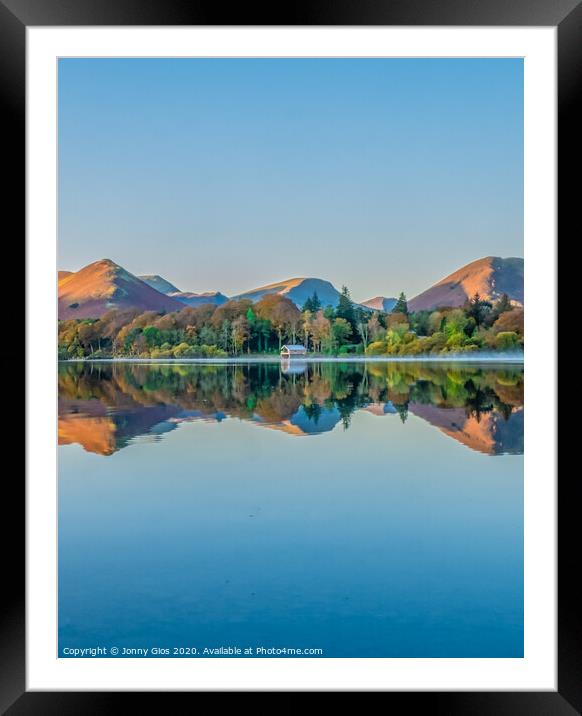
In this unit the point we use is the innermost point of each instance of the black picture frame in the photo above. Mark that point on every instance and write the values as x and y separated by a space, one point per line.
15 16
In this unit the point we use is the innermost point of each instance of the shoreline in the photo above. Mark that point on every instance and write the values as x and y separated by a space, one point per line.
453 358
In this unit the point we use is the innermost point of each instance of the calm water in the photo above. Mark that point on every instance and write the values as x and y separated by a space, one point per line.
367 510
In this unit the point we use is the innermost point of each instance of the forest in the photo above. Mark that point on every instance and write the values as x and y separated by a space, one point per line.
240 327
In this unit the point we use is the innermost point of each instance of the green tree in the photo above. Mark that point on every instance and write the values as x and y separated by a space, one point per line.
507 341
341 330
419 322
263 333
207 336
478 309
224 334
153 336
458 326
401 305
312 304
345 308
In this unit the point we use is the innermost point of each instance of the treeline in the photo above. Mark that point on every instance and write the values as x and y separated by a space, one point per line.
241 327
477 325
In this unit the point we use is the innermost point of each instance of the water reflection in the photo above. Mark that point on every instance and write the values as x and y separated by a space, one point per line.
106 406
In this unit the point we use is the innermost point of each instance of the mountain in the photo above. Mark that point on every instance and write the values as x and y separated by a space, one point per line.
491 277
103 285
64 274
159 283
188 298
197 299
380 303
298 290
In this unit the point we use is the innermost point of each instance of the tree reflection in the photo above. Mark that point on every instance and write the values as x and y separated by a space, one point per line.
107 404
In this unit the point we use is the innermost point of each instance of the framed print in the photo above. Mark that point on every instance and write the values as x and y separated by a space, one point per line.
277 372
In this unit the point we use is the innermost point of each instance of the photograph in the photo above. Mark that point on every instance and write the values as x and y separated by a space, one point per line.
290 357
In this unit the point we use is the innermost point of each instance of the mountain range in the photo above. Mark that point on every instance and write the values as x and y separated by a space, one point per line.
104 285
188 298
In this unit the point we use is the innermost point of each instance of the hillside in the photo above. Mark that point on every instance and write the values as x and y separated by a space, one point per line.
491 277
159 283
102 286
297 290
187 298
197 299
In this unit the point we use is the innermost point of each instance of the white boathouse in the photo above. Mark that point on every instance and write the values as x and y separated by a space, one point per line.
291 351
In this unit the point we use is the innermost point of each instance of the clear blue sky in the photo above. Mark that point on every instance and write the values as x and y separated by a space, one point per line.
226 174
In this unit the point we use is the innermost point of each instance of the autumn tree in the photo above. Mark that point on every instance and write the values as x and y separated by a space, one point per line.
89 336
229 311
374 327
509 321
397 318
320 330
503 305
281 312
240 333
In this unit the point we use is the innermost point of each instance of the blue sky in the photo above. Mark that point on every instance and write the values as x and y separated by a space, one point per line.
226 174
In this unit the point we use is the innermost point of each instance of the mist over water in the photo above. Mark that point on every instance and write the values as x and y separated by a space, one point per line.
367 509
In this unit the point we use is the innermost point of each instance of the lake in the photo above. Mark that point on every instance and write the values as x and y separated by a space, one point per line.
310 509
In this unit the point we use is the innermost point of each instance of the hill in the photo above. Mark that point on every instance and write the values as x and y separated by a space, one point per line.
197 299
491 277
297 290
104 285
159 283
187 298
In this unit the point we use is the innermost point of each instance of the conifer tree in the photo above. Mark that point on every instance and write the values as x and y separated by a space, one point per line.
401 306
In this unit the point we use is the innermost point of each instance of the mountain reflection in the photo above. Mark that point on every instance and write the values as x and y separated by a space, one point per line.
104 406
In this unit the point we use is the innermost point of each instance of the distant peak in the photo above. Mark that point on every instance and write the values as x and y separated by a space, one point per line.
102 265
109 266
104 262
159 283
